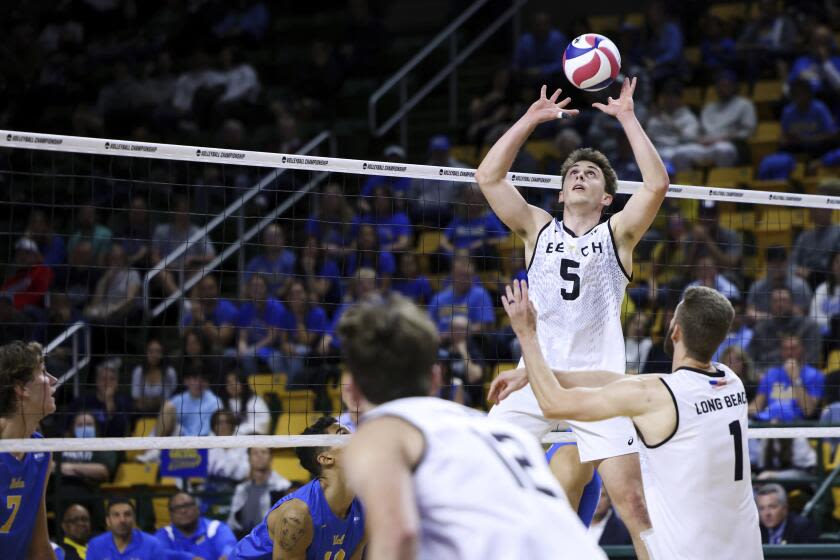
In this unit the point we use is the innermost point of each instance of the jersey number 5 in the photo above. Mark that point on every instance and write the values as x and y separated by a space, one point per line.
12 503
567 272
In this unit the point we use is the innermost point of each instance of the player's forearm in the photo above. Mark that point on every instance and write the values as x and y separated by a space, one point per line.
574 379
654 174
551 396
499 159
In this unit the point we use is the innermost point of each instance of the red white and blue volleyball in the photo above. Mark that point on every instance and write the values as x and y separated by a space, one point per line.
591 62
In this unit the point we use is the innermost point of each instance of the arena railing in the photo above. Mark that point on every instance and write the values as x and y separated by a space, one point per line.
455 55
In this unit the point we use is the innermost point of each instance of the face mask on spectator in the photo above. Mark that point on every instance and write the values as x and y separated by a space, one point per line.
85 431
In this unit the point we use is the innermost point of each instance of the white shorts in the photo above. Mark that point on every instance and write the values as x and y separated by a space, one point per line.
595 440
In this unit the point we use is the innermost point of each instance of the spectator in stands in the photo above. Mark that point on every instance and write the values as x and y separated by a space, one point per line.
189 413
170 236
430 201
725 125
363 287
88 229
658 359
30 278
117 291
123 537
226 467
320 76
736 358
637 341
490 111
825 307
710 238
253 498
410 282
740 331
399 186
789 458
807 123
241 85
321 274
330 224
50 245
717 48
462 297
673 126
792 389
474 228
197 354
778 525
778 275
244 21
607 528
820 66
79 276
307 324
815 248
464 359
261 336
369 254
75 526
249 409
539 53
153 381
766 40
198 76
216 317
277 262
190 535
706 274
662 43
84 471
107 404
137 234
393 227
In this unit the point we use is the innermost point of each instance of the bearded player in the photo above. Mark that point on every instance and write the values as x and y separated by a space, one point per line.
578 272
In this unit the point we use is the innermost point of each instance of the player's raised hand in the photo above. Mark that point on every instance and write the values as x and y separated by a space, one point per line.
506 383
523 316
624 104
546 109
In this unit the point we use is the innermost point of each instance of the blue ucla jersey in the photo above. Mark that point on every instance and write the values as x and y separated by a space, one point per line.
22 484
332 538
142 546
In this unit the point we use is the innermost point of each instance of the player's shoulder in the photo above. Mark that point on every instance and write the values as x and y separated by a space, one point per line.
294 509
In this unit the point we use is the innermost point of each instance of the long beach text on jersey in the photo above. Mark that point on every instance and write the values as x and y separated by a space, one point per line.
577 285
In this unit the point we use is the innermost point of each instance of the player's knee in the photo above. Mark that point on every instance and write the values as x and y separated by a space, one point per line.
631 500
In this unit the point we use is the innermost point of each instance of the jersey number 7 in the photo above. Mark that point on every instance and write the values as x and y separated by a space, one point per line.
12 503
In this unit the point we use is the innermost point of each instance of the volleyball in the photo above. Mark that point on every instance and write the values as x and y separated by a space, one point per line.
591 62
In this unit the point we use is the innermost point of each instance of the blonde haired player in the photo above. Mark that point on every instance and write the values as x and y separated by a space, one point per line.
692 423
579 269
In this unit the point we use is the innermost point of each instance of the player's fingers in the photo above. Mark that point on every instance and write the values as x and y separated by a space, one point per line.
633 84
516 293
599 106
564 102
509 292
523 285
542 92
494 388
555 95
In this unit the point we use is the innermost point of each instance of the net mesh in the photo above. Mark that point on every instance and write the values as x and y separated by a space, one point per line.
166 332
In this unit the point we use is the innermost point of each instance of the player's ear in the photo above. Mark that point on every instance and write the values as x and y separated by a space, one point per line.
607 199
326 459
436 379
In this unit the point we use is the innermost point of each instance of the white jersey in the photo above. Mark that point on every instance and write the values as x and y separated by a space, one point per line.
577 285
484 490
697 482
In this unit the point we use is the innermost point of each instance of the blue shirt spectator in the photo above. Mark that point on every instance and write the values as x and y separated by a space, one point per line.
468 233
276 263
410 282
664 43
716 50
369 254
792 390
363 288
330 223
398 185
51 246
215 316
820 66
257 318
190 536
540 52
462 297
393 230
194 407
141 546
810 119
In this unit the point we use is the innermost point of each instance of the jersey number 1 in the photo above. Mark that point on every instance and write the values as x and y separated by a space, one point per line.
567 272
735 432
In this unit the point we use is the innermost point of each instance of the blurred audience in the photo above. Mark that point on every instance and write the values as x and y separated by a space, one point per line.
778 524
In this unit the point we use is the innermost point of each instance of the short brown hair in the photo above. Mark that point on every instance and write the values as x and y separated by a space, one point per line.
704 316
18 362
599 159
390 347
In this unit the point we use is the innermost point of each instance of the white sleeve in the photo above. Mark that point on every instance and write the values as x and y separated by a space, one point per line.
136 383
817 304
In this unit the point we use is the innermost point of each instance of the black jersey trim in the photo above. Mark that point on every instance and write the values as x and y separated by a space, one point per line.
615 250
537 243
570 232
676 424
716 373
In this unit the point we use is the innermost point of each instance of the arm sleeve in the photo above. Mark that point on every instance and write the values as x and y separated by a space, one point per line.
136 383
225 540
815 384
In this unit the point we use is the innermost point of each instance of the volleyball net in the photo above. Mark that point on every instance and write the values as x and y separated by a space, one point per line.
214 278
